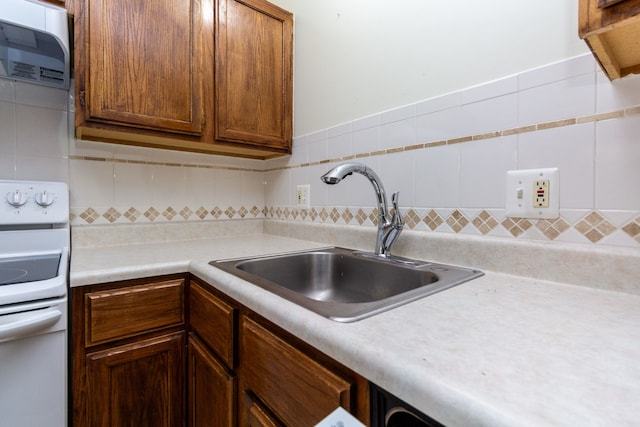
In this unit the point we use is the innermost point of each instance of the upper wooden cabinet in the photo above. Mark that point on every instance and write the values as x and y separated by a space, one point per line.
611 28
195 75
254 73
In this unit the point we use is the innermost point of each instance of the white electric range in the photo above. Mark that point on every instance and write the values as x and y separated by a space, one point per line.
34 265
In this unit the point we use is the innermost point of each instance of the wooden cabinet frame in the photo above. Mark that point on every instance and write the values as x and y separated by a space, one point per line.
612 34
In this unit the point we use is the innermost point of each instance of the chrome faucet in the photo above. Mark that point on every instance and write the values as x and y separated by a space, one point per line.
389 226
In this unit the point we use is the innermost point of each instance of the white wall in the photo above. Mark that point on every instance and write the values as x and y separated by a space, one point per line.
354 58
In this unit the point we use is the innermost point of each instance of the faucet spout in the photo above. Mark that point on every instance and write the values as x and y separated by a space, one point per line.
389 226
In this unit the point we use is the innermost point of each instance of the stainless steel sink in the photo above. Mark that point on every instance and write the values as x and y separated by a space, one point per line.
346 285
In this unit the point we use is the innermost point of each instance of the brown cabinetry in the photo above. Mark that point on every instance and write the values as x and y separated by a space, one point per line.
137 384
128 353
133 364
211 389
212 382
253 73
196 75
282 384
142 64
611 28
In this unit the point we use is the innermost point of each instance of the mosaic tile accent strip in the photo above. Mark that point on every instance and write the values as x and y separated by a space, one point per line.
112 215
516 226
593 226
552 228
457 221
633 229
433 220
484 222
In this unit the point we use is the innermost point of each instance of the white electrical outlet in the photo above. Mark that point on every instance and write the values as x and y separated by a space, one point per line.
533 193
303 196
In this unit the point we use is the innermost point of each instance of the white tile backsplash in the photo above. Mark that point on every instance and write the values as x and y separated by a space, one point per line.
200 182
7 139
92 183
483 166
48 139
7 90
438 125
557 71
133 184
398 114
41 96
571 97
472 138
572 150
366 122
489 115
252 189
617 166
397 173
42 168
400 133
437 176
339 145
485 91
365 140
617 94
228 188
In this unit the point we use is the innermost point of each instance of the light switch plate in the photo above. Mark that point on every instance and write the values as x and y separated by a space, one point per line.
529 190
303 196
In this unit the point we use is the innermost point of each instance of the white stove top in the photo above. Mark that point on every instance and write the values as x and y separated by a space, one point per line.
34 240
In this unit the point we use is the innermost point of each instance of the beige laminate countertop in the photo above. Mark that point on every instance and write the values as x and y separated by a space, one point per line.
500 350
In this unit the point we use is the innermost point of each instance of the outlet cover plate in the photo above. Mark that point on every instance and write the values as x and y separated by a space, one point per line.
521 198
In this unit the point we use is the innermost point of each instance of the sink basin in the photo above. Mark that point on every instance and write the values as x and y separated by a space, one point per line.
346 285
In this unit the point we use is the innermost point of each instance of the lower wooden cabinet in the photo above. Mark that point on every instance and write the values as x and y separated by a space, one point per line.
138 384
173 351
296 388
256 415
128 353
211 389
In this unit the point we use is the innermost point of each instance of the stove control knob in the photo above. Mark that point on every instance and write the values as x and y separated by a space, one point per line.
44 199
17 198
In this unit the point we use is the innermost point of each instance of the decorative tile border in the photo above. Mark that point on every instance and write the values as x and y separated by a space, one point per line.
131 215
592 227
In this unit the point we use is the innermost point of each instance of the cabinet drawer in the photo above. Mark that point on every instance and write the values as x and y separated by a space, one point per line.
124 312
213 320
295 387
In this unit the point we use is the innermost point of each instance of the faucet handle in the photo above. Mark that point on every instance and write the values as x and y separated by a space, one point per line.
397 216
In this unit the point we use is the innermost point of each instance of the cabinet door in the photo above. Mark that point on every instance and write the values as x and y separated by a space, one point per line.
139 384
254 415
298 390
213 320
143 64
211 389
253 72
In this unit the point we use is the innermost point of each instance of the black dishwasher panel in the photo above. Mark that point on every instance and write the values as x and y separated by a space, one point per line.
389 411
